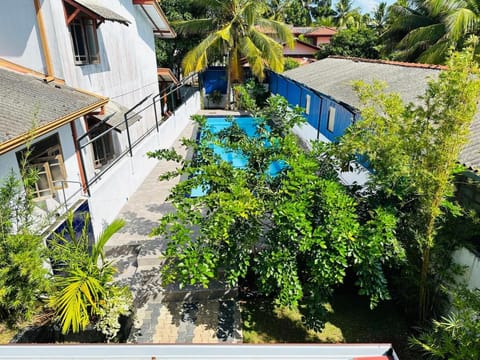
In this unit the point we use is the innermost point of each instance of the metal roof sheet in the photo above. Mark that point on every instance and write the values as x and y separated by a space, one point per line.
102 11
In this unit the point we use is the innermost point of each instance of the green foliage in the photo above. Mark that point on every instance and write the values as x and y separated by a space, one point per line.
290 63
360 42
298 232
23 279
85 292
232 31
412 151
457 335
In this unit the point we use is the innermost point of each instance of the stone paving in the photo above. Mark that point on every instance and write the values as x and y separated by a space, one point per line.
167 315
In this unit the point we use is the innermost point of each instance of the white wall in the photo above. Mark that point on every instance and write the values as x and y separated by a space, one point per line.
111 193
471 277
358 175
8 162
127 69
19 36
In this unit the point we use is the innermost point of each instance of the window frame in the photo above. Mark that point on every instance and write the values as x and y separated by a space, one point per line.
85 36
49 164
331 119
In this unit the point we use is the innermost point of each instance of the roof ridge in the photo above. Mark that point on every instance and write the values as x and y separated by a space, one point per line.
391 62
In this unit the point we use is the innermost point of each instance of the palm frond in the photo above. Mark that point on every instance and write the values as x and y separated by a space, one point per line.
281 30
110 230
195 26
197 59
76 300
429 34
460 22
437 53
272 51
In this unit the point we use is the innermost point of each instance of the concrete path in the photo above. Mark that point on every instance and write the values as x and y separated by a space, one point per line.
166 315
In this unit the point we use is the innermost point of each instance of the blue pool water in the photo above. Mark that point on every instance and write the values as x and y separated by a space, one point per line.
236 158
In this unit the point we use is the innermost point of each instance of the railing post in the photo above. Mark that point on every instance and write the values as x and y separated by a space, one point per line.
155 110
128 135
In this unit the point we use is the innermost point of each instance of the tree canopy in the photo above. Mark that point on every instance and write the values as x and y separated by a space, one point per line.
298 232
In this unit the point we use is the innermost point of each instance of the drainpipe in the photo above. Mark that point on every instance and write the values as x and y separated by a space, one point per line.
43 39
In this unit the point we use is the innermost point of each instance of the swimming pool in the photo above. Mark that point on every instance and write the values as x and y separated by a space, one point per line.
235 157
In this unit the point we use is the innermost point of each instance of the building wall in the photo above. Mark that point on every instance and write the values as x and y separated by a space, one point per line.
73 189
111 193
19 35
318 112
471 261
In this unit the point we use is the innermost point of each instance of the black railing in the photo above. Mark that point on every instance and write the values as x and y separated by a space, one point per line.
165 103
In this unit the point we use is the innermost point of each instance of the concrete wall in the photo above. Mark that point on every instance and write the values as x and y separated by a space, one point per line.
472 263
111 193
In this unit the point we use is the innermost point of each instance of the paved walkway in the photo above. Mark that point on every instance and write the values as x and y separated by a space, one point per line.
166 315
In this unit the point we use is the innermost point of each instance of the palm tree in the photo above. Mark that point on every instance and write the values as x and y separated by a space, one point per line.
379 16
85 279
344 11
418 31
234 30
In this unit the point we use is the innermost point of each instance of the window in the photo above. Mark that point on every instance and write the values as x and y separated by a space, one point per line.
331 119
83 30
307 104
103 150
47 159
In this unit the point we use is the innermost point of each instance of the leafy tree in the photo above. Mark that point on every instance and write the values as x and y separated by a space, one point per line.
23 278
413 152
457 335
298 231
355 42
170 52
232 31
85 292
298 12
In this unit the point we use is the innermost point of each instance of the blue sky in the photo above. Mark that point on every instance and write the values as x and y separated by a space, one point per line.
366 5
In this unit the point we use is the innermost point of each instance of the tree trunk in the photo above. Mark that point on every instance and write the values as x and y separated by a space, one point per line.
229 83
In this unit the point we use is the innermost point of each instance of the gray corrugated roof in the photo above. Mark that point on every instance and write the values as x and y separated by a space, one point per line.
26 100
102 11
334 77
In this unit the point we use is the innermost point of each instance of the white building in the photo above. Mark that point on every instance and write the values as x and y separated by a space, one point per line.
70 71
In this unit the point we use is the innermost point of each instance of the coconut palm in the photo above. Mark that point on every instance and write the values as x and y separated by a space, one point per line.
417 31
234 30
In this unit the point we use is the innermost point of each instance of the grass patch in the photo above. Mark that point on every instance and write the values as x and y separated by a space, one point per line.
349 320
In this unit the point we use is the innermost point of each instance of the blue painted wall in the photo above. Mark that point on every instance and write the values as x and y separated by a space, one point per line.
320 105
214 78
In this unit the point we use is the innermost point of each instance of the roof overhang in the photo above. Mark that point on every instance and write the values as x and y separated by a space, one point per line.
42 130
32 106
156 17
166 75
95 11
113 114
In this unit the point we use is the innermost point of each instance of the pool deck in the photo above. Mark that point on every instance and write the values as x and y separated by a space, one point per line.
167 315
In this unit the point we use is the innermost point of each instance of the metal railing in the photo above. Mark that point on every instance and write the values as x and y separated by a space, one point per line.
165 103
